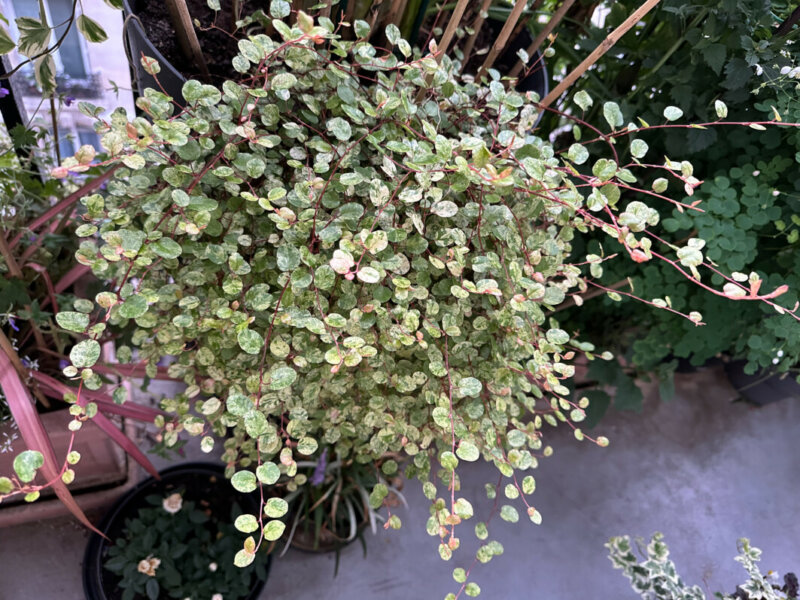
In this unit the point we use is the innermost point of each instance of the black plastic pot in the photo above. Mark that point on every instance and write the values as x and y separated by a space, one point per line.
138 43
201 481
763 387
537 81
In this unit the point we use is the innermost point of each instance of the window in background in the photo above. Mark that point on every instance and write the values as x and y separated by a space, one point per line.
87 136
70 57
65 145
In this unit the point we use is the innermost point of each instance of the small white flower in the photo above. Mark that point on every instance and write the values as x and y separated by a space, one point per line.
173 503
785 70
216 597
775 361
212 567
794 73
780 353
759 69
148 566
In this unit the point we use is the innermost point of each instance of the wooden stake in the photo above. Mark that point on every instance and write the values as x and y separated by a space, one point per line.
452 25
187 37
536 43
350 11
395 14
604 47
502 39
476 27
372 16
326 10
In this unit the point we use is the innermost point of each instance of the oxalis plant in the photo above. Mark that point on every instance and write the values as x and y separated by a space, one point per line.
352 247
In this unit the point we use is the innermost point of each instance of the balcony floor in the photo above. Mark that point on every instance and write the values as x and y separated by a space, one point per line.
700 469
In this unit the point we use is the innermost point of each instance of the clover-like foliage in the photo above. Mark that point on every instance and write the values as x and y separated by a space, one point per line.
353 248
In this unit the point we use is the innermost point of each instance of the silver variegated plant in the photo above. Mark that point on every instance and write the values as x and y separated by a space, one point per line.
355 248
656 578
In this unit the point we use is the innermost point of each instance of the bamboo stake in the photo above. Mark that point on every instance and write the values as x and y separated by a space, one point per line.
536 43
452 25
326 10
187 37
604 47
395 14
523 22
372 18
502 39
476 27
350 11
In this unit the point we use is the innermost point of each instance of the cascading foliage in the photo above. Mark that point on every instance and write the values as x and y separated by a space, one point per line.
352 248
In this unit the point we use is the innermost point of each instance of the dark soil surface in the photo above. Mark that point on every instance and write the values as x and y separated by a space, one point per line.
215 36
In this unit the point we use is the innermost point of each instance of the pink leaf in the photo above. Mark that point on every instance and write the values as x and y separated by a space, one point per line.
125 443
103 401
34 435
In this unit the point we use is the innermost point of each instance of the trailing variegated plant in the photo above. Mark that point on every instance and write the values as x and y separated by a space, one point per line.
357 248
38 280
655 577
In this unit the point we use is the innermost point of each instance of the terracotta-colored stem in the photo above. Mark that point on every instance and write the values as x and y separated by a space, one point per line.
597 292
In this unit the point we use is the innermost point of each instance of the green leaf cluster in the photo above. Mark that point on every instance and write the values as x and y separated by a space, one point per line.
190 553
352 251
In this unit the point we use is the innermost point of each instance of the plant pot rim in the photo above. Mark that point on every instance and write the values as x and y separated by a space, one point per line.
92 569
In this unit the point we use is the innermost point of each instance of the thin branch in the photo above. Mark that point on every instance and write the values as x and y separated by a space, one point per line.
546 30
476 28
502 39
187 37
592 294
604 47
787 25
452 25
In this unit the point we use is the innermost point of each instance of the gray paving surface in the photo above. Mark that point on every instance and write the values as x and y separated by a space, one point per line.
700 469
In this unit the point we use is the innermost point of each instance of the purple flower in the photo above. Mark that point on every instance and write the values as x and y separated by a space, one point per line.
69 100
63 364
11 319
318 477
26 362
4 92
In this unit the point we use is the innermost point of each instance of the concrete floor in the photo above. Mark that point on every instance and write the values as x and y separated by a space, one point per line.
700 469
